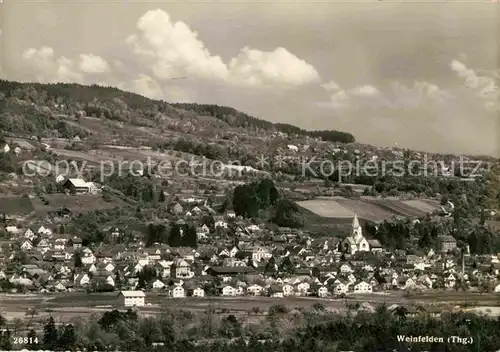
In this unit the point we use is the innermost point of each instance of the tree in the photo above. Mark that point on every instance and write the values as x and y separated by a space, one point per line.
50 335
161 196
67 338
77 258
287 214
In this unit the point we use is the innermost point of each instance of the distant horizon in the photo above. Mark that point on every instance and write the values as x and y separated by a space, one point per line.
427 87
260 118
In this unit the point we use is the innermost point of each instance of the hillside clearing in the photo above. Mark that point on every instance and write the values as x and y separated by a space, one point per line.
424 206
326 208
368 208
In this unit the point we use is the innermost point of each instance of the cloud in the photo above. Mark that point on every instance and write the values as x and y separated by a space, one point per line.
397 96
172 49
483 86
162 49
366 91
93 64
48 68
257 67
144 85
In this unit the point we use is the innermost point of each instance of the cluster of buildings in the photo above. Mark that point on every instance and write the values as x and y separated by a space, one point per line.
261 262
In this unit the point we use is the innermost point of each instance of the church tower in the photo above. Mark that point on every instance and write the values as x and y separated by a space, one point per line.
357 231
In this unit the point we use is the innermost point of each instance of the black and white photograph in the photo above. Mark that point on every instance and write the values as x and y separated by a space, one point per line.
218 176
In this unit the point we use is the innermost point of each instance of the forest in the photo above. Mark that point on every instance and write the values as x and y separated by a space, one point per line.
262 199
282 329
114 104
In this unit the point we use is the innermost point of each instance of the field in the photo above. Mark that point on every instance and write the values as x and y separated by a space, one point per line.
327 208
16 205
367 208
66 306
78 204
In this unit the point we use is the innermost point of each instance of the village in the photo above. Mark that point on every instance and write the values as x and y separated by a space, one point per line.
280 262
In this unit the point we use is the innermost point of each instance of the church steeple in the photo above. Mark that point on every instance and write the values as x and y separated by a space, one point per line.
355 222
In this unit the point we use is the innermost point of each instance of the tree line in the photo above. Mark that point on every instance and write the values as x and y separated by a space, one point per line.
262 199
282 329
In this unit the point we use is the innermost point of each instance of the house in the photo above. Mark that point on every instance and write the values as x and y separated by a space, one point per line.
375 246
362 287
345 269
302 289
255 290
158 285
181 269
82 280
12 230
76 185
29 234
447 243
322 292
88 258
77 242
340 288
178 292
288 290
221 224
229 271
356 242
6 148
276 291
27 245
177 209
42 230
229 291
163 268
132 298
198 292
261 253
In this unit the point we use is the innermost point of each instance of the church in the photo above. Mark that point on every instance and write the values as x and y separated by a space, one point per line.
356 242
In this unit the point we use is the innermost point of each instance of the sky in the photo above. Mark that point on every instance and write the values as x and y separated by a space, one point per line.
423 75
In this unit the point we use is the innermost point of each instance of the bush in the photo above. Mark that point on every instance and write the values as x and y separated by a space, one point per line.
277 309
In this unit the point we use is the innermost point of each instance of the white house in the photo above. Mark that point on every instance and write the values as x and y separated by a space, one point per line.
29 234
182 269
44 231
228 291
261 253
254 290
163 268
340 288
132 298
288 290
362 287
302 289
293 148
198 292
12 230
345 269
178 292
221 224
27 245
88 258
158 285
322 291
6 148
